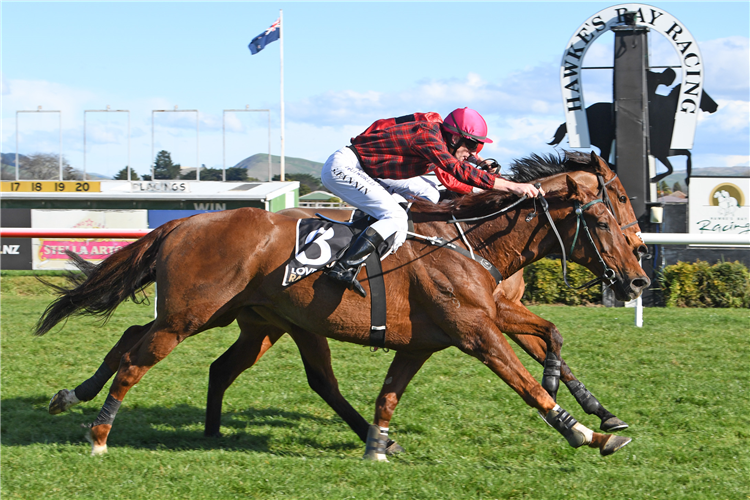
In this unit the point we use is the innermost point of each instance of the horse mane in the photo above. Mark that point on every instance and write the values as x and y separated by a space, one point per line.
536 166
528 170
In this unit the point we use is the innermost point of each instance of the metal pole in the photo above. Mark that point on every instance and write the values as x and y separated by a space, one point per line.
197 148
281 51
223 127
17 145
59 156
84 145
129 166
197 131
223 146
270 170
153 165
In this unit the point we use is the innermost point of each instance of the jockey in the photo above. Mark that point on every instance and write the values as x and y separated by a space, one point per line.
389 157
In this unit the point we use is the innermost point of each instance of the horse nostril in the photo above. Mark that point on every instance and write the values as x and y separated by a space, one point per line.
642 250
640 283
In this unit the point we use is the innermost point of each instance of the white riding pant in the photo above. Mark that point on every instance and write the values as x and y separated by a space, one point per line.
343 176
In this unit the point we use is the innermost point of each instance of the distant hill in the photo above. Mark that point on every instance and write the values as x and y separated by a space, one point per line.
257 166
10 159
722 171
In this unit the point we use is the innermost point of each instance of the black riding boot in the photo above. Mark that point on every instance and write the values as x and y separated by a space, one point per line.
346 268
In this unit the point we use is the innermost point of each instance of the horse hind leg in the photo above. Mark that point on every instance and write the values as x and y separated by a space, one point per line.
87 390
152 348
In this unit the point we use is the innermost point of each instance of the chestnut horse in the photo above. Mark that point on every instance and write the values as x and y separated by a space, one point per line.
251 345
201 289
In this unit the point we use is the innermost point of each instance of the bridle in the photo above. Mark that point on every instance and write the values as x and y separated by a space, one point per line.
605 196
608 275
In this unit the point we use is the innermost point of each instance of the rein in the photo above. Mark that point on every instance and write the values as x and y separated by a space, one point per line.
608 274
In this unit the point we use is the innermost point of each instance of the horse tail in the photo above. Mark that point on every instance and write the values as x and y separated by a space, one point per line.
561 131
103 287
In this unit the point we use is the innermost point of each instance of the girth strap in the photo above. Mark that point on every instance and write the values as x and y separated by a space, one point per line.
377 300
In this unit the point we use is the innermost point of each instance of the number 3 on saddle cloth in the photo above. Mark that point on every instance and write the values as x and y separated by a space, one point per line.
321 242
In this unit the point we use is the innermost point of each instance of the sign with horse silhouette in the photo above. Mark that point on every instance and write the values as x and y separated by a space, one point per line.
688 100
720 205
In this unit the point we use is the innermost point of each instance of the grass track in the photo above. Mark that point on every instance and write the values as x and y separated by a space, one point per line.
680 382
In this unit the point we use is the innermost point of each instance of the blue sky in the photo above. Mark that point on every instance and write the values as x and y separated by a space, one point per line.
346 65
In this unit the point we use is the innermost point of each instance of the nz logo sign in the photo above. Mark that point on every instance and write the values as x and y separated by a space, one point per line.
11 250
657 20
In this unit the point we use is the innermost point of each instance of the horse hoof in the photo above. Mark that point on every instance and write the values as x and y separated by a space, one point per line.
374 457
96 450
62 401
613 424
613 444
393 448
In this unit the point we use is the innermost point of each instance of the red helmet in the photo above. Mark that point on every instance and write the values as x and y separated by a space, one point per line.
468 124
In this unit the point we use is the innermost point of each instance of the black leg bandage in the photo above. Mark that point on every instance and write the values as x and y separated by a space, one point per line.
109 410
563 422
551 376
91 387
588 402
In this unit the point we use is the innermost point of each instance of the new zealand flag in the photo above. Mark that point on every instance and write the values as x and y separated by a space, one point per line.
268 36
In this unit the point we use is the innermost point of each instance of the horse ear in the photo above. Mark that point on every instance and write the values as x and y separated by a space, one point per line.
574 191
599 165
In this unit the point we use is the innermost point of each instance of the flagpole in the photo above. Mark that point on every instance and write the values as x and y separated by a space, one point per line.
281 36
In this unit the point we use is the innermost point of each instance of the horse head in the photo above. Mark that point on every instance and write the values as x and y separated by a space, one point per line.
593 171
591 236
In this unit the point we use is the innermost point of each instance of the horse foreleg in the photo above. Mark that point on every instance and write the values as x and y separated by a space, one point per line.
536 348
244 353
86 391
151 349
490 347
518 323
403 368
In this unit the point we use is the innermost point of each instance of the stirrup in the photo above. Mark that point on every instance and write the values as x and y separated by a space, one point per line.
346 276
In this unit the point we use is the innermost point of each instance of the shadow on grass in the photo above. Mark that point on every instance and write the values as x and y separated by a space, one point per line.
26 422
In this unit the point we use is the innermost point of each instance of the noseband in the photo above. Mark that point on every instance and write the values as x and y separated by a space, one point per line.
608 274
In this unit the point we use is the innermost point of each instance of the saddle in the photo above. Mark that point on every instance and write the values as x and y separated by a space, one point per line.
321 241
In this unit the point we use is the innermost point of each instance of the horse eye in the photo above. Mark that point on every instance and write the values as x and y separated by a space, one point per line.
623 199
602 225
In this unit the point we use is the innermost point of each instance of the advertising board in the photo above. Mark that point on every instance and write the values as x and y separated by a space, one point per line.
15 253
49 253
719 205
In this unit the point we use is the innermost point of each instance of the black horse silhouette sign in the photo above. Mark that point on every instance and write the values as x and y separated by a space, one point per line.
661 118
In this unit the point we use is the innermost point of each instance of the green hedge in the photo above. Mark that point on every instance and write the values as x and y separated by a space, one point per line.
724 284
545 285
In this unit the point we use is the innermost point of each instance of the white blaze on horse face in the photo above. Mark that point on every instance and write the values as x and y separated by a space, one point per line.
325 248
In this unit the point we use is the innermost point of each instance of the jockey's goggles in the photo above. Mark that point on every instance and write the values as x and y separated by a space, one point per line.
473 146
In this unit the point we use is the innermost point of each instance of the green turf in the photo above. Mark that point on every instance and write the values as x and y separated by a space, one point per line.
680 382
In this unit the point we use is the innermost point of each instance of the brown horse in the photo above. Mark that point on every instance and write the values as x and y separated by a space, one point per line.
424 285
252 344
